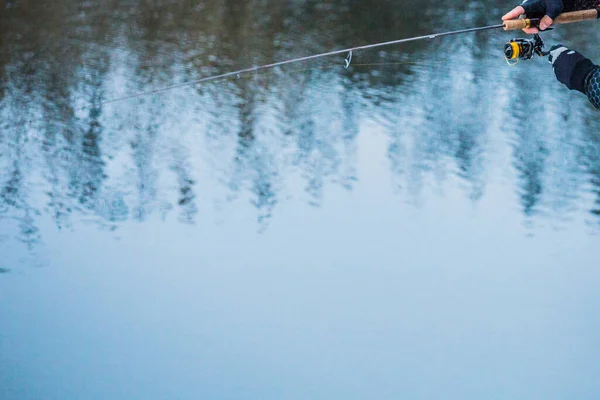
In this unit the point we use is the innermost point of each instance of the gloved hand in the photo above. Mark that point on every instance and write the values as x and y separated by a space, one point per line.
551 8
570 67
548 9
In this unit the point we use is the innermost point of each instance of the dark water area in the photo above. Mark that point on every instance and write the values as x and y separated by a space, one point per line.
423 224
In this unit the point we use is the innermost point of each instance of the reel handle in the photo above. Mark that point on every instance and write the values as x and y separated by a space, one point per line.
564 18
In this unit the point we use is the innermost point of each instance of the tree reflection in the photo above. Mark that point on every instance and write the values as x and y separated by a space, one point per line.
438 103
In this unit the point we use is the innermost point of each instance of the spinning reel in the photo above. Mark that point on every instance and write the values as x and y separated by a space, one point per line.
524 49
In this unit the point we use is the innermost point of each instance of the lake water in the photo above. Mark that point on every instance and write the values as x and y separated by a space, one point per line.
423 224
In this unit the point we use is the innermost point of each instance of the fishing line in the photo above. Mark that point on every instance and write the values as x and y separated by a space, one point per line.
191 83
322 68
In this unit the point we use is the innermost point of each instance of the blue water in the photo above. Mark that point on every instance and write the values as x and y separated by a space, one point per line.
424 224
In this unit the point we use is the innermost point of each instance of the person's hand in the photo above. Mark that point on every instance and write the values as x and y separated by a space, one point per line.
570 67
549 9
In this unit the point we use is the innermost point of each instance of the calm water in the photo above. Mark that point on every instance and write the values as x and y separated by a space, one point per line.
424 224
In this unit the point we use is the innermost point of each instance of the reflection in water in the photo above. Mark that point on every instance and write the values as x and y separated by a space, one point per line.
445 106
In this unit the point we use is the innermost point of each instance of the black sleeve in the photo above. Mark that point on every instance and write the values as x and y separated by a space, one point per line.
592 87
577 5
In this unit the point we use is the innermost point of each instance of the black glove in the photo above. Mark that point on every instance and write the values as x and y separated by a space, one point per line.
570 67
551 8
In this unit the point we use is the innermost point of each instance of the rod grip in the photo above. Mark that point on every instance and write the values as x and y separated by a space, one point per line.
564 18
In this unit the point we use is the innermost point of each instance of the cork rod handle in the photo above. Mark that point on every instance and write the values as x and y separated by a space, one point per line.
565 18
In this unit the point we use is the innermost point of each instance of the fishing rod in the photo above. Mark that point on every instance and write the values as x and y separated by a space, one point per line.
516 49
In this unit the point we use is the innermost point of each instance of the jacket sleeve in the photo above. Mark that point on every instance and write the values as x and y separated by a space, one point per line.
592 87
577 5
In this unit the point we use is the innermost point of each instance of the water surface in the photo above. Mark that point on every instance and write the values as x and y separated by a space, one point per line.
423 224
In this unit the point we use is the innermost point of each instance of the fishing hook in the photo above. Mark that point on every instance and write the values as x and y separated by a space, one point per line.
348 60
